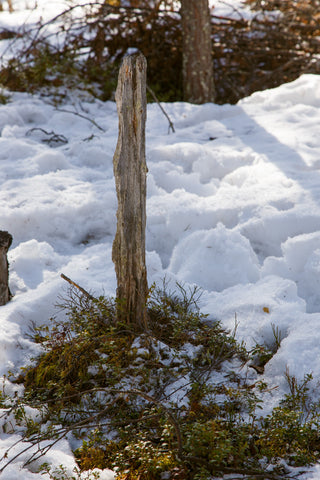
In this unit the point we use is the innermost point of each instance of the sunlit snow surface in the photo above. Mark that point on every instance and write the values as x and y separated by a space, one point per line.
233 206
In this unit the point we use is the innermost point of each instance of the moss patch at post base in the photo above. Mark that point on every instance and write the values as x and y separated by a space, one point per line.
170 401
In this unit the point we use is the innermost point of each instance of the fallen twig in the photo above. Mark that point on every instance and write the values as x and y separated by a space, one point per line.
55 138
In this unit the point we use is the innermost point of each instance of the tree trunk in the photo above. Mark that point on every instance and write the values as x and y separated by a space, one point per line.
5 242
129 163
197 62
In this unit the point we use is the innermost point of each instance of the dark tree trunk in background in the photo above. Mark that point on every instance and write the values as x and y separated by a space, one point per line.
5 242
130 170
198 82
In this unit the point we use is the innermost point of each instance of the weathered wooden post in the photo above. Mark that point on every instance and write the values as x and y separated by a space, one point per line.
130 170
5 242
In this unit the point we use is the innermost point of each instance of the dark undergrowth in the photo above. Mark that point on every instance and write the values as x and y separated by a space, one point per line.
278 44
169 402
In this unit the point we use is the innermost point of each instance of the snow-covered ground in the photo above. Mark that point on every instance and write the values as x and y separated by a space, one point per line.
233 207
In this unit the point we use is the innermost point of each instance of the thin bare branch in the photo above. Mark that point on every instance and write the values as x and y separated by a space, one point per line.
162 109
82 290
82 116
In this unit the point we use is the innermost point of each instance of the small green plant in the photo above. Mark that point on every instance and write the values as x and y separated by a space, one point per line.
292 430
278 337
260 354
285 436
298 398
60 473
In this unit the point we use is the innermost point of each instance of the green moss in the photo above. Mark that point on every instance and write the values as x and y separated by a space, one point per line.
155 394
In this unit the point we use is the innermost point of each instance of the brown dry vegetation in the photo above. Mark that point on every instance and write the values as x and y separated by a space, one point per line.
277 45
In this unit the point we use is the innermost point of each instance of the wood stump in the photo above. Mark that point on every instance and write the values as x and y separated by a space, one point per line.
129 163
5 242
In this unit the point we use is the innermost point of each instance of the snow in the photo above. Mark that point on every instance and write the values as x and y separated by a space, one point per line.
230 9
233 207
198 257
